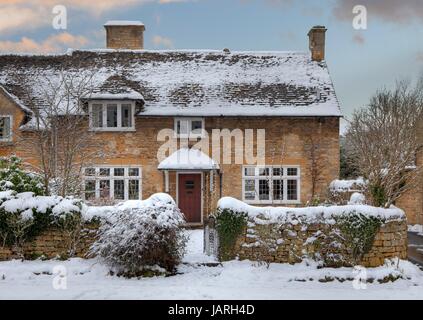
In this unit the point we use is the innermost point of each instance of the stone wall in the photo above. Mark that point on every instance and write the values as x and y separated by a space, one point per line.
288 243
53 243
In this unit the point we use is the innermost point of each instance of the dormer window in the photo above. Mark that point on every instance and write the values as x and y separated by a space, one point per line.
189 127
112 115
5 128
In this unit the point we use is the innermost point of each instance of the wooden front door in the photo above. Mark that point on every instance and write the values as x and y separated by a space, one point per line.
189 197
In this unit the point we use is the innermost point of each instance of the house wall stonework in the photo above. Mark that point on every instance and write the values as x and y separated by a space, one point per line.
286 144
412 200
7 107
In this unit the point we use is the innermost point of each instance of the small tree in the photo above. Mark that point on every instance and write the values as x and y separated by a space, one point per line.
385 138
58 136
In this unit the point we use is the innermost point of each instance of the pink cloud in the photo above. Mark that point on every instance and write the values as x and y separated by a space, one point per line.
54 43
160 41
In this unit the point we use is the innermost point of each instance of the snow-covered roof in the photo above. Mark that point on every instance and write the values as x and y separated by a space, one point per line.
16 100
188 159
123 23
187 82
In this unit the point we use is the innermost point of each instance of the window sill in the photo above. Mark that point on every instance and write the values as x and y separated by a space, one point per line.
254 202
112 130
6 142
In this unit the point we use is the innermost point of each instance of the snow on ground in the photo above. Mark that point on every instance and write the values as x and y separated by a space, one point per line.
418 228
88 279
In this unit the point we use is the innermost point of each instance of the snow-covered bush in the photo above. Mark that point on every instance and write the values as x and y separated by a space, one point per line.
357 198
25 215
141 236
12 177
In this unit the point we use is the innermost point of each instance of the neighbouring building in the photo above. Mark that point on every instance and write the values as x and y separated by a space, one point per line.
136 93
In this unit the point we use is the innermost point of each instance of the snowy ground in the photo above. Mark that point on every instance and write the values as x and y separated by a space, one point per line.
88 279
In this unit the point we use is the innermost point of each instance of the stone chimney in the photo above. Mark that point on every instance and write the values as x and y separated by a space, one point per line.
125 35
317 36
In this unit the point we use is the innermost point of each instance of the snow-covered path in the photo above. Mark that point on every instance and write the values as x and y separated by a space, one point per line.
88 279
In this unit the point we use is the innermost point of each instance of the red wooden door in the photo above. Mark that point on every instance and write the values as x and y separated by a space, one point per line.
189 197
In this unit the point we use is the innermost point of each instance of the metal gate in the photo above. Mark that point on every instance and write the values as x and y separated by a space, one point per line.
211 239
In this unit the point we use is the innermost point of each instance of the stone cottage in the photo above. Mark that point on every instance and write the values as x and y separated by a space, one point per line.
273 115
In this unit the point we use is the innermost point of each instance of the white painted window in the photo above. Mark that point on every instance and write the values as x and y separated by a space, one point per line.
112 182
112 115
5 128
271 184
189 127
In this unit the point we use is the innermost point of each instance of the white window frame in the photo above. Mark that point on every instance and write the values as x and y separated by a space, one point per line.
104 104
126 177
270 177
189 121
10 127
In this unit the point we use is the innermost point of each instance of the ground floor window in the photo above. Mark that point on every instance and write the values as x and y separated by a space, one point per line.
271 184
114 183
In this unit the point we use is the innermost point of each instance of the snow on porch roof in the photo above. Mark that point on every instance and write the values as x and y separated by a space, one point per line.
188 159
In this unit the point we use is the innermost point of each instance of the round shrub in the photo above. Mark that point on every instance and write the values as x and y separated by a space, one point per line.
142 237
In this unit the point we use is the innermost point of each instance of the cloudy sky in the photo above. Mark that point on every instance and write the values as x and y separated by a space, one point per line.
360 61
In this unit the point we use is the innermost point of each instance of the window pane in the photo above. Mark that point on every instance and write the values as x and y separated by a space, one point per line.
119 189
249 192
104 172
126 115
263 171
119 172
90 171
97 116
292 171
278 171
112 115
134 172
277 189
4 128
264 189
249 172
134 189
105 189
182 127
89 189
196 126
292 189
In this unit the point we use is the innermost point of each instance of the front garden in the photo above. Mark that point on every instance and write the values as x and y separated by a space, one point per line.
135 249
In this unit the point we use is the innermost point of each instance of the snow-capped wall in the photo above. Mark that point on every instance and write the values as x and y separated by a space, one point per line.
289 235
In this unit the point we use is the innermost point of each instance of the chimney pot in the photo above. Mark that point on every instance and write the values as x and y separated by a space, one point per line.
125 35
317 39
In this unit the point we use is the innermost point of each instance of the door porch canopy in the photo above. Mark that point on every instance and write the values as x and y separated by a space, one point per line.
186 159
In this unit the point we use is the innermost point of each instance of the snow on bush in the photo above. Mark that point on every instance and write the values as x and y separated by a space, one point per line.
357 198
142 236
12 177
347 185
25 215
